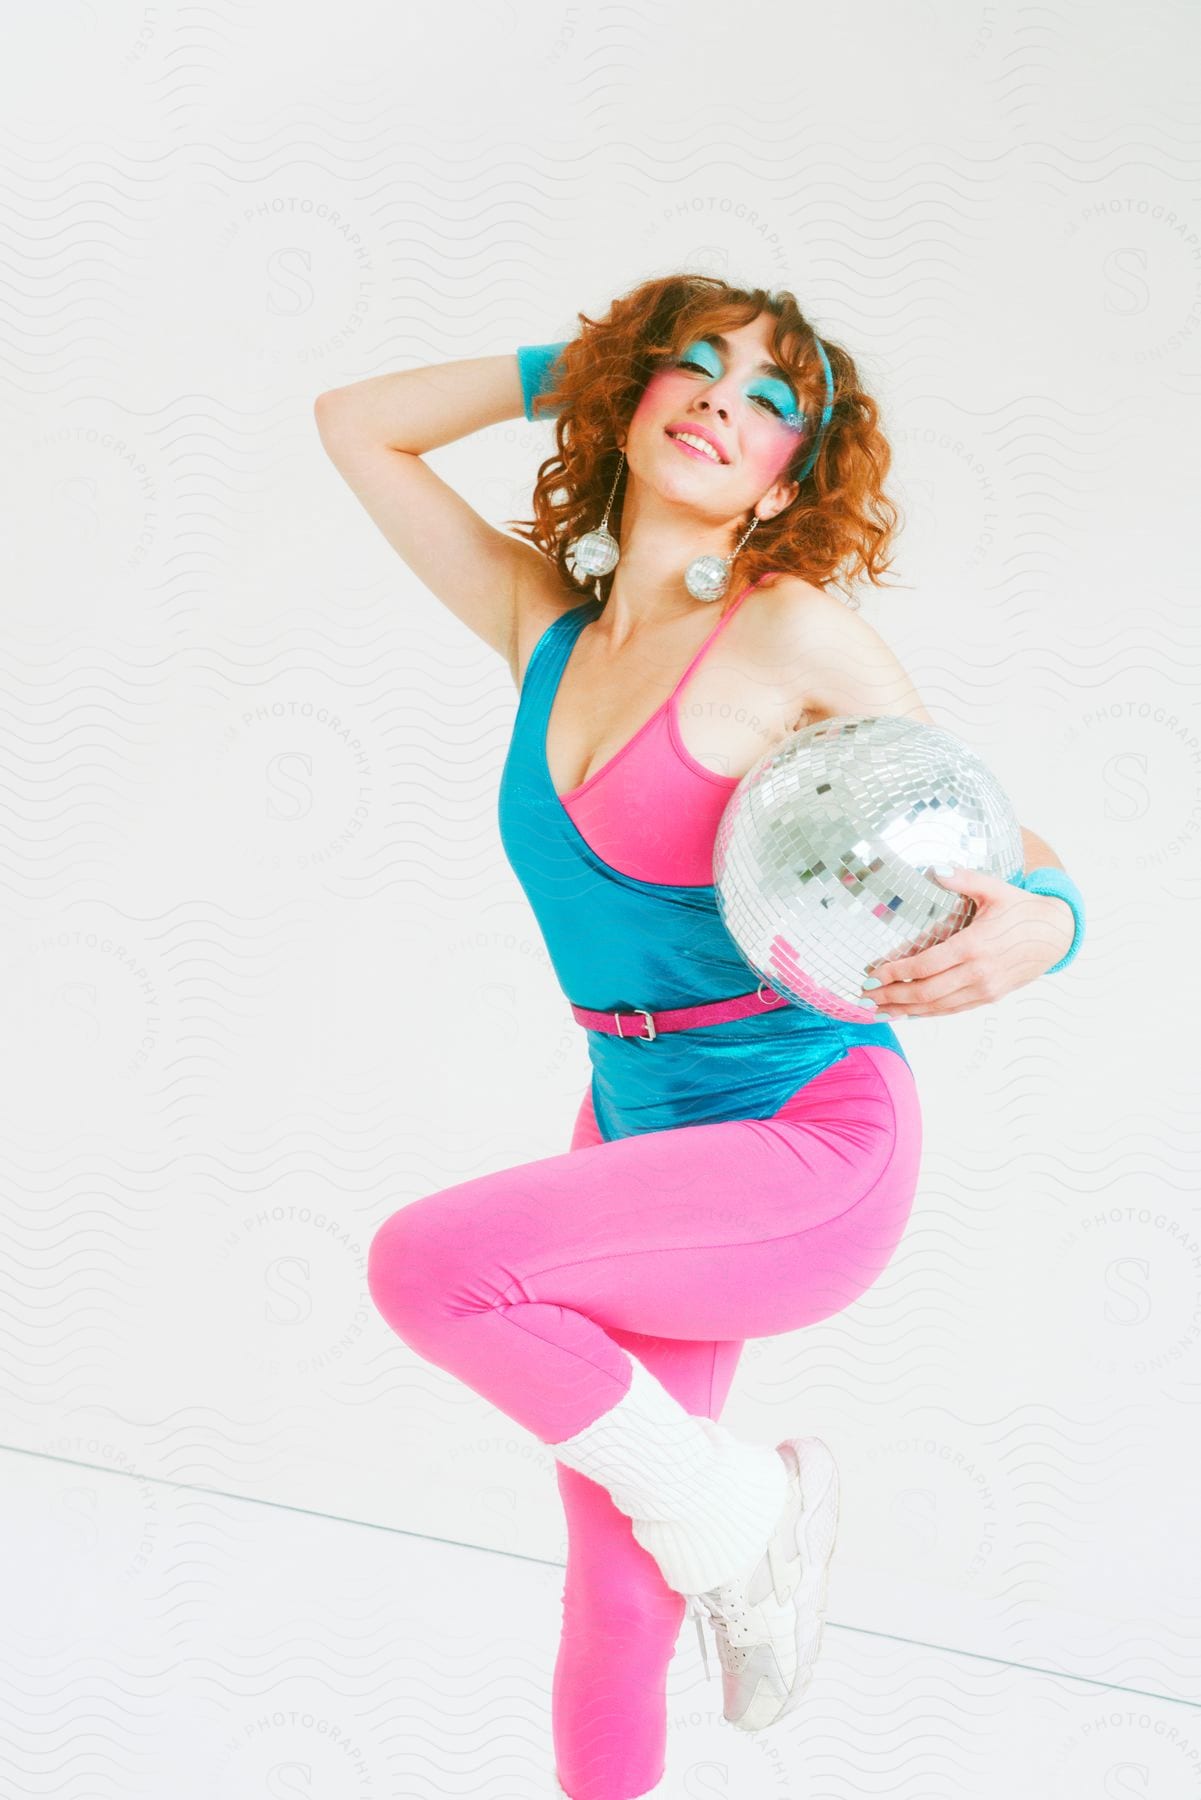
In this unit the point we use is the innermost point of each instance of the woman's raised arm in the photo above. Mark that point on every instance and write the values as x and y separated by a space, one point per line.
376 433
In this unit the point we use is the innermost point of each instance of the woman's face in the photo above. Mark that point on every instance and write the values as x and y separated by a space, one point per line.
724 391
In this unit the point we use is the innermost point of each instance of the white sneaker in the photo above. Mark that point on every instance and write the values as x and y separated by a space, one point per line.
768 1623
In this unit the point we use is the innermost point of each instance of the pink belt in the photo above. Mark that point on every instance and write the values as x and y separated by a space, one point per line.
680 1018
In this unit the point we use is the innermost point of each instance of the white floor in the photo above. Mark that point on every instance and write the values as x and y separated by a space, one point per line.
158 1640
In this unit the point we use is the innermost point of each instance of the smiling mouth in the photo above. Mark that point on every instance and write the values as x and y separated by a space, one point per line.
697 446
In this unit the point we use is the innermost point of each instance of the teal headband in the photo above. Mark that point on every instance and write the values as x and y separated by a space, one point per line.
827 410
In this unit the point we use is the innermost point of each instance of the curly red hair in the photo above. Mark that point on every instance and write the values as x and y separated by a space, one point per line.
841 525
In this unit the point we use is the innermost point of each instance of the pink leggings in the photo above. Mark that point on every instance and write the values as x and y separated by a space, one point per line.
534 1286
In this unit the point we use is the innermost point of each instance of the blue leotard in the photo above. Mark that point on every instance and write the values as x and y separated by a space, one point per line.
617 942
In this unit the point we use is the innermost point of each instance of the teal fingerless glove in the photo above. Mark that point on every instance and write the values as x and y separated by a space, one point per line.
1059 885
536 364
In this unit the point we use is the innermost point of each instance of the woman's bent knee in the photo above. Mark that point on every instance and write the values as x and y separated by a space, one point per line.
424 1271
384 1256
402 1275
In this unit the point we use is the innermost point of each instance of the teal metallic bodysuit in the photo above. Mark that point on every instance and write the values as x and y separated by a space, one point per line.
618 943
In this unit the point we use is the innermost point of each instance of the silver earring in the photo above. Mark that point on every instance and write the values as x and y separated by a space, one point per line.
597 552
707 577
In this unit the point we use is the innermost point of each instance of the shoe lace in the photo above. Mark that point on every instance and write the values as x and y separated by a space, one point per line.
729 1611
697 1610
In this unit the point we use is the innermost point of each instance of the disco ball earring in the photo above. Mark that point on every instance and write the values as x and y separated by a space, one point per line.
597 552
707 577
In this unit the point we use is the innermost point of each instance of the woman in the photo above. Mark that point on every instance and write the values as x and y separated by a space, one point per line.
739 1167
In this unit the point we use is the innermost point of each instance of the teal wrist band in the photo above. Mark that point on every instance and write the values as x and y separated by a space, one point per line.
1058 885
536 364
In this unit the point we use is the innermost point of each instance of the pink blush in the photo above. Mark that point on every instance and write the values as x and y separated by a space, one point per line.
768 457
654 388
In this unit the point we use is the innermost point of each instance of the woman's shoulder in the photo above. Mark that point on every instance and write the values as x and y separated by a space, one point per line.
777 628
831 660
788 603
541 600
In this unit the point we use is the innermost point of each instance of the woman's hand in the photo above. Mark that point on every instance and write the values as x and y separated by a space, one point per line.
1013 937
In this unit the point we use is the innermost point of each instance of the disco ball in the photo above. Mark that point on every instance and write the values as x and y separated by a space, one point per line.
595 553
820 856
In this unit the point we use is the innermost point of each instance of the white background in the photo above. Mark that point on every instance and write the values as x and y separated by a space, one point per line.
267 976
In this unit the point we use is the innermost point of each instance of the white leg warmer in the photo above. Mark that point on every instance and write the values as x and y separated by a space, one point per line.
702 1502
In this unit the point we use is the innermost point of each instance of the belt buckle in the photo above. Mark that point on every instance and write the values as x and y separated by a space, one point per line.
651 1033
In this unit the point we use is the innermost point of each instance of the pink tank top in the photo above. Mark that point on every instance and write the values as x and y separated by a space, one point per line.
652 810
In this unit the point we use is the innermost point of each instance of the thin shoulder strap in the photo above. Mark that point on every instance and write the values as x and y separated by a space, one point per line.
720 626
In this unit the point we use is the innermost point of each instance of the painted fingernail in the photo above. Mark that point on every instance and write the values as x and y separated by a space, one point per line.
869 981
943 868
